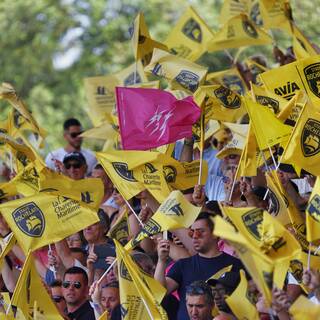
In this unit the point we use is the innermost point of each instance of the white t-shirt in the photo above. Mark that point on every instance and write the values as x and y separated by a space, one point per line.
59 154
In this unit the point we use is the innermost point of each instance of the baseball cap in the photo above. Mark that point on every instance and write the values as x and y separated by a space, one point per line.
230 280
77 156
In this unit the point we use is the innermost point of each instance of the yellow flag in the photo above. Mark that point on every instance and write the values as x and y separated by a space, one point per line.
229 78
89 192
104 131
30 289
239 301
232 8
220 103
237 32
313 213
287 86
174 213
120 229
189 37
303 147
219 273
278 203
104 316
304 309
6 247
142 42
140 294
267 136
302 47
183 74
31 219
275 14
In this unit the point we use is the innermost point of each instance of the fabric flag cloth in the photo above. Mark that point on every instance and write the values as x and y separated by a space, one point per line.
313 214
149 118
174 213
29 290
140 293
230 78
303 147
267 136
6 247
182 73
232 8
189 36
142 42
304 309
239 301
32 219
220 103
239 31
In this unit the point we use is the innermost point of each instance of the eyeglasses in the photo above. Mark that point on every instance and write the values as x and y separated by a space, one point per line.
67 284
196 233
57 299
73 165
75 134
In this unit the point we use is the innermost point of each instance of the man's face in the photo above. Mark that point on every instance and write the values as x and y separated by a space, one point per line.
74 289
100 173
71 135
93 233
202 237
198 308
110 298
220 295
75 169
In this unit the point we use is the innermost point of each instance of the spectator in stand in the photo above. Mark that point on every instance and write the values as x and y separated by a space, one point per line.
75 165
72 130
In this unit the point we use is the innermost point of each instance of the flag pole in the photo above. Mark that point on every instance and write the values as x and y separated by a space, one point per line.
52 268
135 72
202 119
309 256
107 271
137 217
147 307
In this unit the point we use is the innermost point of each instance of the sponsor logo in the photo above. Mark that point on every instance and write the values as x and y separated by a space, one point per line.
228 98
132 78
313 208
177 210
192 30
29 219
86 197
188 80
310 138
296 267
255 14
287 91
124 273
252 220
170 173
122 170
312 74
274 204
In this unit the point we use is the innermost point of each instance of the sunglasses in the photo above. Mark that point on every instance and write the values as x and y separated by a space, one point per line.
75 134
67 284
57 299
196 233
73 165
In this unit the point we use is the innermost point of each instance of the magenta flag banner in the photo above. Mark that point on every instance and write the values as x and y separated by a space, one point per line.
149 118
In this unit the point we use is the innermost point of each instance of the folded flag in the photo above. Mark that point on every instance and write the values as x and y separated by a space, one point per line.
149 118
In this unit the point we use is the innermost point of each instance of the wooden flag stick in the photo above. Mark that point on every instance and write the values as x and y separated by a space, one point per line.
202 119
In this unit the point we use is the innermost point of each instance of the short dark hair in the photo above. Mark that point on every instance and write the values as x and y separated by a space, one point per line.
203 215
76 270
55 283
113 284
71 122
199 288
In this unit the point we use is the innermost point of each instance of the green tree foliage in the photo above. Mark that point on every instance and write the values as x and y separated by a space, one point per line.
37 36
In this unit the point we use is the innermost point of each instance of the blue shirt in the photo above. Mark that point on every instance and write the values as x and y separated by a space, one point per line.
185 271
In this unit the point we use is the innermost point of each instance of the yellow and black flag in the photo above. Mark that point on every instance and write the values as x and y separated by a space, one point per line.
313 214
188 39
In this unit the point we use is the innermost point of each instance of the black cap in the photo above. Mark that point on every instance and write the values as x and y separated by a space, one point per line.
230 280
77 156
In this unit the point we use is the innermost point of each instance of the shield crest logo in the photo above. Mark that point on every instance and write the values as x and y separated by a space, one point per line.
274 205
228 98
252 220
234 83
124 273
192 30
170 173
269 102
29 219
313 208
122 170
312 74
188 80
310 138
249 29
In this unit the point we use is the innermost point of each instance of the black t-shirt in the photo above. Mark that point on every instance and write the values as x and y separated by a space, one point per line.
84 312
188 270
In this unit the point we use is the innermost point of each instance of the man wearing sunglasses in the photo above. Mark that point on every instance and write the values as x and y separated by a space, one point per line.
207 262
72 130
75 165
75 292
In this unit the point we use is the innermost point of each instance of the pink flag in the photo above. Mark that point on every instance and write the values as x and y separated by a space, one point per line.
149 118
